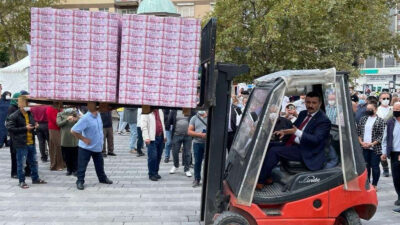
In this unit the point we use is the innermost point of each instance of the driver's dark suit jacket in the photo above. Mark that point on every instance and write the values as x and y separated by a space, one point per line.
314 139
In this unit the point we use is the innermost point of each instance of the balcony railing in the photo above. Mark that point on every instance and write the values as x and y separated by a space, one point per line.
126 2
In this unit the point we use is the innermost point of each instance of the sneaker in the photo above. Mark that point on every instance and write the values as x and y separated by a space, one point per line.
158 176
111 154
23 185
173 170
196 183
140 154
188 173
396 210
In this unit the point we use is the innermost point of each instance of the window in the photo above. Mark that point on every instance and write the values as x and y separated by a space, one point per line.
370 62
103 9
379 63
186 9
127 11
389 61
212 5
84 9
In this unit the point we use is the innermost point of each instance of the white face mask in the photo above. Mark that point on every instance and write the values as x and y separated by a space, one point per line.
273 116
27 109
8 97
385 102
331 102
201 112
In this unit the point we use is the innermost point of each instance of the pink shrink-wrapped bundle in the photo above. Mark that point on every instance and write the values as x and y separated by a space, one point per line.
74 55
159 61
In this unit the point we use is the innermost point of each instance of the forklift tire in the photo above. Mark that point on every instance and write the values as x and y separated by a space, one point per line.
348 217
230 218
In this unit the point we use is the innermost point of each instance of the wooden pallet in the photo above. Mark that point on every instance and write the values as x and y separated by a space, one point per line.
103 106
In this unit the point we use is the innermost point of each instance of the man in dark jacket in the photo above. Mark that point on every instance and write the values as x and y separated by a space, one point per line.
13 152
21 125
108 133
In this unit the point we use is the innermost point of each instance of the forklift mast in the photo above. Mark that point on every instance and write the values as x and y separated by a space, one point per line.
215 94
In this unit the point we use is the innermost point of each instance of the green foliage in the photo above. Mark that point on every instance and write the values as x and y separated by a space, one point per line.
15 24
272 35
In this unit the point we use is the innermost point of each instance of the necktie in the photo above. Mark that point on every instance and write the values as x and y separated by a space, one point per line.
291 139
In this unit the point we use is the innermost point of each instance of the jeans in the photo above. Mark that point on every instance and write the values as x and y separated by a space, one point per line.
139 144
83 160
121 124
372 160
168 145
43 137
177 142
134 136
154 153
3 136
24 154
198 151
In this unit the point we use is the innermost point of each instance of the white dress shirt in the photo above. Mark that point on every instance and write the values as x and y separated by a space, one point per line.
299 132
369 125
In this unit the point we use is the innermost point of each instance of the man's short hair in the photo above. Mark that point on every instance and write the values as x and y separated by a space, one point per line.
314 94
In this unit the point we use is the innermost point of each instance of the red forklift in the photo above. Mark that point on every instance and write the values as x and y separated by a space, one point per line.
339 194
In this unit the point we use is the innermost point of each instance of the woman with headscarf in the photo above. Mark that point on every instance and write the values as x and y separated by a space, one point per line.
4 104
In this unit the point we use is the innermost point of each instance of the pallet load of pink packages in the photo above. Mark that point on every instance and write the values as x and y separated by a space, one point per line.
105 57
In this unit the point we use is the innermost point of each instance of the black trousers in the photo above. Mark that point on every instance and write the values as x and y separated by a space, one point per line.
43 137
229 143
84 156
395 163
70 156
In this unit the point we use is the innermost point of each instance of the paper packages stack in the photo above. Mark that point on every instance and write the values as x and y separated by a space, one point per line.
74 55
159 61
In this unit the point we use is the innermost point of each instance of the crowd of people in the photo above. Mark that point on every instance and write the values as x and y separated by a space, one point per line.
69 136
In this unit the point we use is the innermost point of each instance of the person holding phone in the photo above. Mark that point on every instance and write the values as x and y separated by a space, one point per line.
198 130
22 125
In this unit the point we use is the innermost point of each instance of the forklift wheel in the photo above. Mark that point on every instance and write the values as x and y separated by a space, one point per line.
349 217
230 218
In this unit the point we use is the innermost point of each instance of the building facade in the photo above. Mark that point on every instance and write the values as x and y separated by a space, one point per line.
187 8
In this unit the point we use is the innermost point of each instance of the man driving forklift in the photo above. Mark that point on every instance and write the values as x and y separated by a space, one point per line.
306 143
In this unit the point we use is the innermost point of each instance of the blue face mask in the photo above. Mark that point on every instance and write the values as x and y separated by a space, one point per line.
361 101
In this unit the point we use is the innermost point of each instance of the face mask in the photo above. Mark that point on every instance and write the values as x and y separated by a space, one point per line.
273 116
385 102
331 102
396 113
370 112
201 112
8 97
361 102
27 109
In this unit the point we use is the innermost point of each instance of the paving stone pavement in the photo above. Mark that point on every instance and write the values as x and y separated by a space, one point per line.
132 200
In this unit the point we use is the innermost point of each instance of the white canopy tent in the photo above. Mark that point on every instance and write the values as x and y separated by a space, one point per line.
14 78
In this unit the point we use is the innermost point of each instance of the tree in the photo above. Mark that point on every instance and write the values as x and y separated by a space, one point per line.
15 24
272 35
